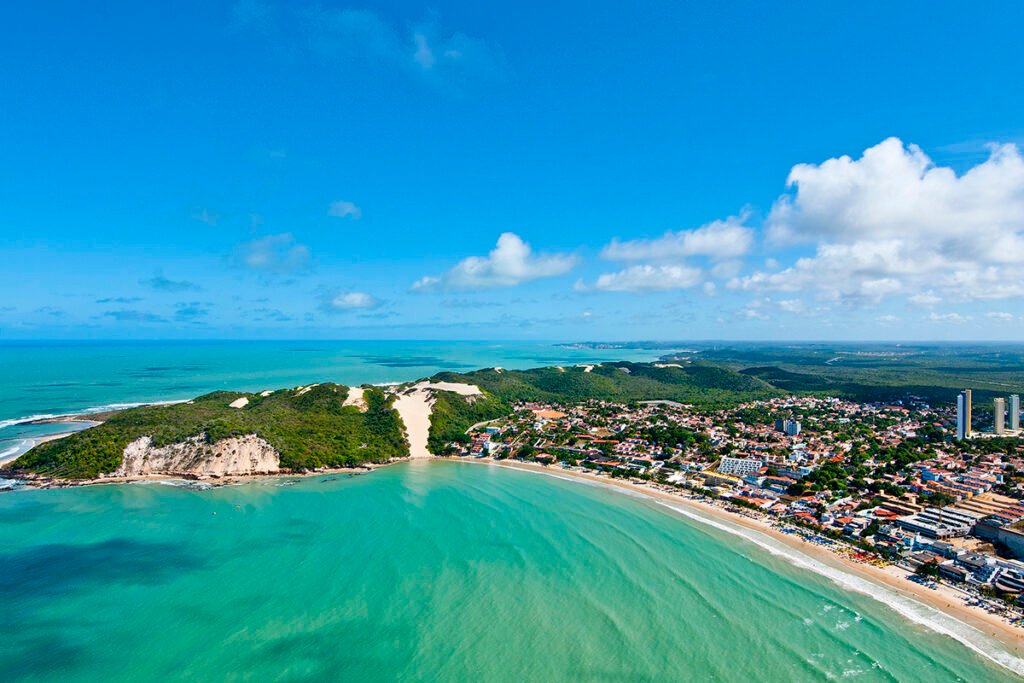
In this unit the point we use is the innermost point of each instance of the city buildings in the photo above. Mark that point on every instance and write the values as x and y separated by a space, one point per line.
788 427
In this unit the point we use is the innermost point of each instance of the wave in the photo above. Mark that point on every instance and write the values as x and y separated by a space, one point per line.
912 610
84 411
20 447
909 608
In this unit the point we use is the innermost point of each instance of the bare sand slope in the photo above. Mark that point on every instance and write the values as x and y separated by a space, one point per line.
414 406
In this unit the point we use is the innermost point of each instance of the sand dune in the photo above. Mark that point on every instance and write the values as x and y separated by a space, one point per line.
414 406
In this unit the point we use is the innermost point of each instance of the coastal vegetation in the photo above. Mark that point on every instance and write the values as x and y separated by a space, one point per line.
310 428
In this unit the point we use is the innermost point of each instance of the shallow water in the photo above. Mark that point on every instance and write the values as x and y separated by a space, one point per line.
424 571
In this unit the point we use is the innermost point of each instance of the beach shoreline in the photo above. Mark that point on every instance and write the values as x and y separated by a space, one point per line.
945 599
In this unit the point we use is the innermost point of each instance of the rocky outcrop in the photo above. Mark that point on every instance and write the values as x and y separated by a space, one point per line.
195 457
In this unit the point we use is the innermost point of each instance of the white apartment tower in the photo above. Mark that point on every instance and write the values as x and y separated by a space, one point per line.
999 413
1015 412
963 414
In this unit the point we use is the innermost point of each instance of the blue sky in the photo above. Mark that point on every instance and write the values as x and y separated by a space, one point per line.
722 170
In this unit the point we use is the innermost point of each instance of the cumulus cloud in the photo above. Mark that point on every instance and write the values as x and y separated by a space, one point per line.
273 254
344 209
661 264
948 317
719 240
646 278
346 301
510 263
1001 316
892 223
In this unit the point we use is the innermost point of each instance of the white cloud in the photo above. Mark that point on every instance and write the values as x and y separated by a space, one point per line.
888 318
1001 316
718 240
510 263
927 299
646 278
948 317
344 301
892 223
753 311
791 305
663 266
344 209
273 254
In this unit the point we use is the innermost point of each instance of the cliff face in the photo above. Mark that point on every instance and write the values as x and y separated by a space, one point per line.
247 454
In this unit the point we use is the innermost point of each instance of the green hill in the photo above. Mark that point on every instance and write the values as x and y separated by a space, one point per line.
309 429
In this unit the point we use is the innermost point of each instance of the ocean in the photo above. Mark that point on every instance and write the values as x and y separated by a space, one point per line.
426 570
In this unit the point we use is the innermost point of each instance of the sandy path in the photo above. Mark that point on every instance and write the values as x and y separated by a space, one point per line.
355 398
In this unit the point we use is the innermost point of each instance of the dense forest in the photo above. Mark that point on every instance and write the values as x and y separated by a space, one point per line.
309 429
699 383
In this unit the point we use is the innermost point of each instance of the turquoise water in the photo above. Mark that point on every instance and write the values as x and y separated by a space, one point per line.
57 378
424 571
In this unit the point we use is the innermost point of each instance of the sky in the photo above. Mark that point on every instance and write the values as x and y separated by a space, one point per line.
566 171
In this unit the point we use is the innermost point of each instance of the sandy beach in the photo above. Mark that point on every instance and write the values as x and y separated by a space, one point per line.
945 599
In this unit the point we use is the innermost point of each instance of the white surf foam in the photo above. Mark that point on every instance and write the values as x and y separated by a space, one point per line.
19 448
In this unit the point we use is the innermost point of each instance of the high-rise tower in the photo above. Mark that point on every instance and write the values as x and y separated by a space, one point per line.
1015 412
999 413
963 414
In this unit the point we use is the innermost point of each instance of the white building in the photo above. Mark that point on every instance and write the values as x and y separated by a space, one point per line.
739 467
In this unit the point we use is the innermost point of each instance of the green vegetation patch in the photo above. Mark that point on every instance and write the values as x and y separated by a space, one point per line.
453 414
702 384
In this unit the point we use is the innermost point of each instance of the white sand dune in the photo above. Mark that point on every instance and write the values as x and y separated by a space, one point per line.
239 403
414 406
